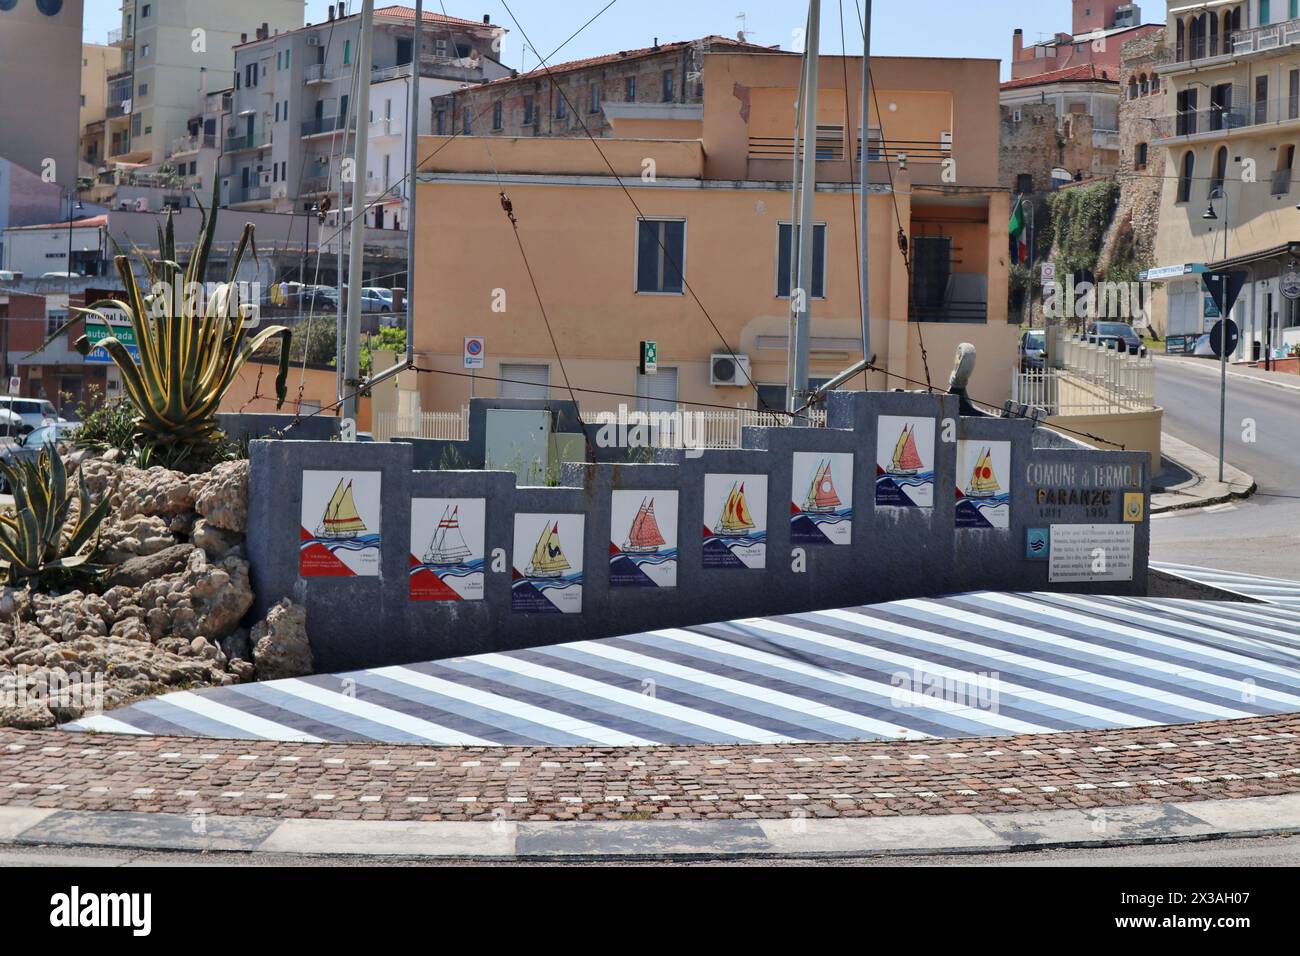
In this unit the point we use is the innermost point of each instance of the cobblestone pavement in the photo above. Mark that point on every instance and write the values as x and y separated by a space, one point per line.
1212 760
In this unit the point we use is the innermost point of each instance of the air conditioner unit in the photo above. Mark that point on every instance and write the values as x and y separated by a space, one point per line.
728 369
142 204
945 141
313 41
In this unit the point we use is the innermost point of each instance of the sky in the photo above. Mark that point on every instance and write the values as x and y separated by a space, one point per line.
952 28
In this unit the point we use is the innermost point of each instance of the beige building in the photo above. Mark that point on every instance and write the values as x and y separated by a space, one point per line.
697 259
98 62
1229 199
173 52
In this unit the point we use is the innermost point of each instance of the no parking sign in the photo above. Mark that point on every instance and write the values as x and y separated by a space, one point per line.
474 351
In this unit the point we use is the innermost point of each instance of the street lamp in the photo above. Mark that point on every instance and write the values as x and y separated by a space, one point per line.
1210 215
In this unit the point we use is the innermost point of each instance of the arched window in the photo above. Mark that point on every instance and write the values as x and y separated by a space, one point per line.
1155 83
1185 176
1181 48
1214 34
1144 86
1220 171
1132 88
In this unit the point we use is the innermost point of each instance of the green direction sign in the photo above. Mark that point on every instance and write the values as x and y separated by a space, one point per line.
649 358
119 327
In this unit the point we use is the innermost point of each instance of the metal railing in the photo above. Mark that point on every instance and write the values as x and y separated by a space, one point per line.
322 124
448 426
830 147
1092 380
1271 37
1214 118
250 193
705 428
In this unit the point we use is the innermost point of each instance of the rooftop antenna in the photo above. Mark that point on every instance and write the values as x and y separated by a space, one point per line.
743 33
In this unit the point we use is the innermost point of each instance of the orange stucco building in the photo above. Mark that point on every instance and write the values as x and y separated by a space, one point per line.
711 187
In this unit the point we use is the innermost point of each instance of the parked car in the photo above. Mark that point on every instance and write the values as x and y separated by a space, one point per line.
28 446
60 275
8 275
11 424
1033 349
319 298
384 297
1115 334
34 412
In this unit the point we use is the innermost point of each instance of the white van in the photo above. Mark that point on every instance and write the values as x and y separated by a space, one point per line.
34 412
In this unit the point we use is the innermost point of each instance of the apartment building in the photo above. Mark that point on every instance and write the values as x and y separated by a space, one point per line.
650 87
1229 200
699 260
291 124
1098 29
170 50
97 62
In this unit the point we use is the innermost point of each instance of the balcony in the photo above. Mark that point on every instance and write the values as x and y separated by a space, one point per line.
119 38
1218 119
236 142
315 185
1275 36
193 143
322 124
242 194
321 73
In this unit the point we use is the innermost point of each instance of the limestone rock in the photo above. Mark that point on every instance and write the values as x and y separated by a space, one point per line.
223 497
280 646
140 570
215 542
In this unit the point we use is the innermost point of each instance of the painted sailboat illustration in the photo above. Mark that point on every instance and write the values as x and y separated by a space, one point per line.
906 460
447 547
340 519
821 497
983 481
735 518
644 536
548 556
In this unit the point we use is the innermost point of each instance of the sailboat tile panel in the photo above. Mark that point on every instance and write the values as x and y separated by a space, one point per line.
643 539
546 569
735 521
339 534
821 498
983 484
447 549
904 462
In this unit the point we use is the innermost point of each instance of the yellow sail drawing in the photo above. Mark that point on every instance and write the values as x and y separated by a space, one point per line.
340 519
735 517
983 480
548 557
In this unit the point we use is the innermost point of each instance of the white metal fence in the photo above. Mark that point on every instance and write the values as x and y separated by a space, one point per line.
703 428
1092 379
449 426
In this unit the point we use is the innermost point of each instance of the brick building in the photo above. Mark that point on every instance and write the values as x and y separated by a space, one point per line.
641 88
1098 29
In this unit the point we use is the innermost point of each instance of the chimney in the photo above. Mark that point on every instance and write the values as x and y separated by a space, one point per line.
487 18
342 9
203 81
1017 43
331 20
243 38
656 43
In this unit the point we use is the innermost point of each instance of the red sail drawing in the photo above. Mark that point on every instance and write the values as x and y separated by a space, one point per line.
910 457
826 496
645 534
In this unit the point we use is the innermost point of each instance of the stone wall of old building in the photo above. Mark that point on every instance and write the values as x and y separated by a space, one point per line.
1144 116
1030 146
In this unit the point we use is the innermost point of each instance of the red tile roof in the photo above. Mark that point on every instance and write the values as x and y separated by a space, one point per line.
624 55
1074 74
398 12
77 224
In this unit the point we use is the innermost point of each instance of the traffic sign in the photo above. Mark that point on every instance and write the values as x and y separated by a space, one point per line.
1047 272
15 384
1222 327
649 362
119 327
1290 284
475 351
1224 287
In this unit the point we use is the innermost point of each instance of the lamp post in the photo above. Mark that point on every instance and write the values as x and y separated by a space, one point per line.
1210 216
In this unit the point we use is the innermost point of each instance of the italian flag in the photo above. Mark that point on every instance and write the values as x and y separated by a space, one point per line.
1020 232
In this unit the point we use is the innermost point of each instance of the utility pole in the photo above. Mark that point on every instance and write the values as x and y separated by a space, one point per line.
412 167
357 243
798 387
866 92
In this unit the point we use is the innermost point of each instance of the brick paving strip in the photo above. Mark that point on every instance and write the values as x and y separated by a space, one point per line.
1217 760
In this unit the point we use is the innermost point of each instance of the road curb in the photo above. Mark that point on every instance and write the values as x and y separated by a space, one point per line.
1214 370
1201 464
795 836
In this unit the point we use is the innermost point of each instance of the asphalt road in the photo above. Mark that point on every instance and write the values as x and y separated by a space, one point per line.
1259 535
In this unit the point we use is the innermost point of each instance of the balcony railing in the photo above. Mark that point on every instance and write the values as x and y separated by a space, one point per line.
1092 380
1255 113
234 143
192 144
1271 37
322 124
317 184
250 193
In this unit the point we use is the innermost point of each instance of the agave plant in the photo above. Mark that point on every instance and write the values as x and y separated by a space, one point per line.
34 540
192 343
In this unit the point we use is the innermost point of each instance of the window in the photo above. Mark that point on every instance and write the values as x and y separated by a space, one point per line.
1261 99
658 392
1140 156
1264 18
593 103
279 60
277 112
668 86
144 11
347 52
1293 94
561 105
783 252
629 89
440 122
1025 183
55 318
660 255
931 270
496 115
1282 175
144 51
466 126
287 54
1220 172
1185 176
144 89
530 114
